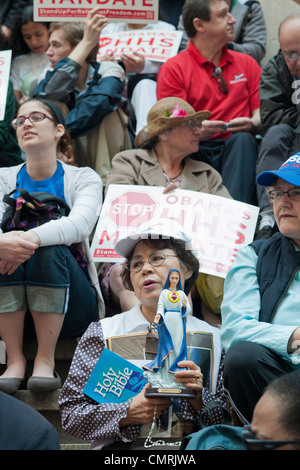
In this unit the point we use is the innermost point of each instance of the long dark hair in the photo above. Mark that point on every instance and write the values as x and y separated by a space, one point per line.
25 16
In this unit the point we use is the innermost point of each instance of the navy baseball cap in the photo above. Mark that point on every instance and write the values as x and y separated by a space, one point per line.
289 171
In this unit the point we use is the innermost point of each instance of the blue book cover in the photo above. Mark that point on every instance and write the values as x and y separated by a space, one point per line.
114 379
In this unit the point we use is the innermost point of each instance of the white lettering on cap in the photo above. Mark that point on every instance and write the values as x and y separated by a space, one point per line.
294 158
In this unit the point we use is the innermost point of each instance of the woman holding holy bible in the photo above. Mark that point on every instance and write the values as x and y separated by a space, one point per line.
150 256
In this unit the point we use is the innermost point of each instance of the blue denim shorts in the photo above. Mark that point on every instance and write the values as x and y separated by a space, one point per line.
51 281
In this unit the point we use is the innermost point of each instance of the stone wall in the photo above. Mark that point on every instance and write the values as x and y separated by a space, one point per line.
275 11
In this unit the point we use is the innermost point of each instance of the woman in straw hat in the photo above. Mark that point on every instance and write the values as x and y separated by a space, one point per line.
172 134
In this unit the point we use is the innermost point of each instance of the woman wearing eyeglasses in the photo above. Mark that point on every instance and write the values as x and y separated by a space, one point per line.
40 279
164 145
260 309
149 260
163 159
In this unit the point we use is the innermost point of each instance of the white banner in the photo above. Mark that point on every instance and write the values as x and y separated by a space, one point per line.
158 45
218 226
5 61
127 11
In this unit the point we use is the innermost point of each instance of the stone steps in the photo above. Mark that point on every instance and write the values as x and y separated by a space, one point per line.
46 403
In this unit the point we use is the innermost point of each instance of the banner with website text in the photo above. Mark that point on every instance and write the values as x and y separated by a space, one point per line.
218 226
126 11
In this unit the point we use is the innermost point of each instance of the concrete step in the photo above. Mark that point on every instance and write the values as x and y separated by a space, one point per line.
40 401
63 356
46 403
64 349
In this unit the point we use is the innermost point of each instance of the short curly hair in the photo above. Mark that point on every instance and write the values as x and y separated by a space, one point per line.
186 258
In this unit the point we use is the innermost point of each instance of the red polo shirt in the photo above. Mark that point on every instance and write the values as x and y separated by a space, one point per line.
188 75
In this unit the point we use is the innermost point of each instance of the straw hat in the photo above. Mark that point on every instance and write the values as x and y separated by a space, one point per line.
166 114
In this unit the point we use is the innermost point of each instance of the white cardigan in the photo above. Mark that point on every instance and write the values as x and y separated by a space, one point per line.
83 193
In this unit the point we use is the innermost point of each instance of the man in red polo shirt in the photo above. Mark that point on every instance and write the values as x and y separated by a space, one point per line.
209 76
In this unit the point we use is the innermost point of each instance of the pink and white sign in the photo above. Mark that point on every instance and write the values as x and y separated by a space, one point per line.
5 61
157 45
127 11
218 226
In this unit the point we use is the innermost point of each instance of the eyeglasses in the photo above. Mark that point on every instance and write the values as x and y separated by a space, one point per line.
291 55
277 194
218 74
34 117
251 442
193 124
156 259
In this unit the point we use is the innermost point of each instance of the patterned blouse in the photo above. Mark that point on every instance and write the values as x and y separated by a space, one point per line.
84 418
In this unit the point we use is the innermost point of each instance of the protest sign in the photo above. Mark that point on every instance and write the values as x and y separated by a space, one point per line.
155 45
127 11
218 226
5 61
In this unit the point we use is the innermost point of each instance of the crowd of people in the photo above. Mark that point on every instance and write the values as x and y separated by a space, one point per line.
210 119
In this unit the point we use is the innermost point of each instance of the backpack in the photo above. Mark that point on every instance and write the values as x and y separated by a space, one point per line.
28 211
31 210
217 437
223 436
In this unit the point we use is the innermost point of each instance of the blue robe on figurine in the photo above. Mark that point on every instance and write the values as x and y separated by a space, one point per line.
171 329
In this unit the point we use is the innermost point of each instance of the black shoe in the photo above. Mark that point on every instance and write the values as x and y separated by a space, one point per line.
44 384
10 385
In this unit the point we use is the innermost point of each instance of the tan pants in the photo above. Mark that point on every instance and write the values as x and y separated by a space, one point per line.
98 147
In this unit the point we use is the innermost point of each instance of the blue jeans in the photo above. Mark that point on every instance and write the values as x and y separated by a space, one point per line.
235 159
248 369
51 281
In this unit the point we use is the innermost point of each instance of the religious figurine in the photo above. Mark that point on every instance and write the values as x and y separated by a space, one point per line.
173 307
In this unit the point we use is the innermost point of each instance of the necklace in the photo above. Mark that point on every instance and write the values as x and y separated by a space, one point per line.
174 178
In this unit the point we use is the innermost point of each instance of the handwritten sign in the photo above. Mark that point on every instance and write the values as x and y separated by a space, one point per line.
5 61
218 226
127 11
157 45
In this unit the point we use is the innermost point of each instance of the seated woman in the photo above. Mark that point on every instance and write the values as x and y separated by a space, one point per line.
38 273
260 319
91 91
149 259
162 159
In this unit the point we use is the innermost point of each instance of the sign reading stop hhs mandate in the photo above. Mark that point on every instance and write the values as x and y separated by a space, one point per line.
218 226
127 11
